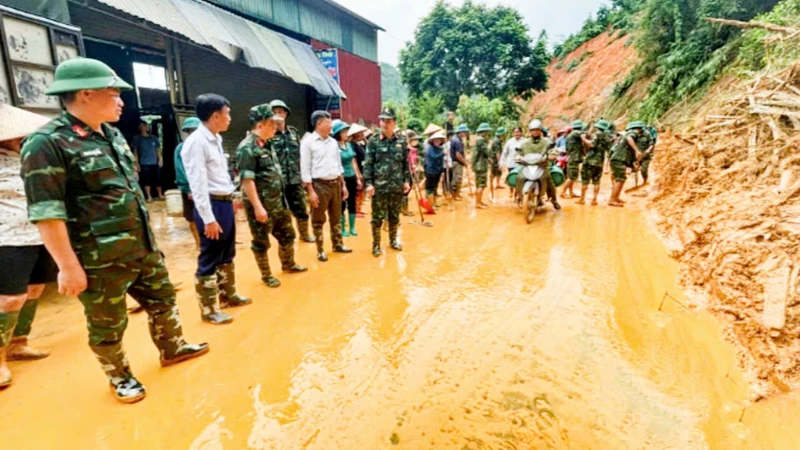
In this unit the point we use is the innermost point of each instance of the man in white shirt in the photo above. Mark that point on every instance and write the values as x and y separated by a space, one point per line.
212 190
322 174
510 152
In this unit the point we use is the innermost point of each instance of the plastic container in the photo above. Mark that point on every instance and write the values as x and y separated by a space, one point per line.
557 175
174 203
511 179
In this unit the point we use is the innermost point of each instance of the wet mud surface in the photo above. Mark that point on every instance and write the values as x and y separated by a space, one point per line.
486 333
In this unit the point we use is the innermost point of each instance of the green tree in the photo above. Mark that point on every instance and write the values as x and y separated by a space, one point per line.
429 108
392 89
476 109
472 49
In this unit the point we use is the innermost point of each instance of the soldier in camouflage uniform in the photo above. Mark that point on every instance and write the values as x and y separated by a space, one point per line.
286 143
625 154
592 170
266 206
80 182
480 163
646 142
576 148
540 144
387 177
496 149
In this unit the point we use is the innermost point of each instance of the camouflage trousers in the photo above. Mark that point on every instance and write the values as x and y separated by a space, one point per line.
481 178
147 281
279 224
455 179
298 205
386 206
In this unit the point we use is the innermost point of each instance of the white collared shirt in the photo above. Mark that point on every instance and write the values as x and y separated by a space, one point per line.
510 152
15 229
206 169
320 158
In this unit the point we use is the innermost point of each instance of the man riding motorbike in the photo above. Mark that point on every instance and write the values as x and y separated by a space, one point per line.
539 144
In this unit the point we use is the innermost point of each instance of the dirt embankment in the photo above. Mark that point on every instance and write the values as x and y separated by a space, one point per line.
729 198
581 85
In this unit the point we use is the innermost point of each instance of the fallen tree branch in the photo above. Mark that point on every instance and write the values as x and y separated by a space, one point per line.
762 25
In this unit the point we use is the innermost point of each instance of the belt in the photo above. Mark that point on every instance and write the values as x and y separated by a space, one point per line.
320 180
221 198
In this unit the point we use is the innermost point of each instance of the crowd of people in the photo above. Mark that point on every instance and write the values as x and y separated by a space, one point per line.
78 216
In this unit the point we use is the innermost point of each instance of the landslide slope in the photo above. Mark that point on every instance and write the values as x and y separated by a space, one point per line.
581 85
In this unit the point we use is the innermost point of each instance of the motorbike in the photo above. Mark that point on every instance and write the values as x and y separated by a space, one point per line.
528 167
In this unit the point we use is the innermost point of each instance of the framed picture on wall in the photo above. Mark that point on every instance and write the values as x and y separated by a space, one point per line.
31 84
27 42
67 47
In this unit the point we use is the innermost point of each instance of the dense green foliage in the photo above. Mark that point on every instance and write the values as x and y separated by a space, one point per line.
392 89
681 52
476 109
473 49
620 15
754 54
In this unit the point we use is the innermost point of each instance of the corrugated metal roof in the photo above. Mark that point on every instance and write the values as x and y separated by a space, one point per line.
320 77
233 36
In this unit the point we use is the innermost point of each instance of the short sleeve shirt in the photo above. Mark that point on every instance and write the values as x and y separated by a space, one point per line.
147 148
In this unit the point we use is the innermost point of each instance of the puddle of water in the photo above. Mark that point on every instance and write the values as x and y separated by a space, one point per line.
485 333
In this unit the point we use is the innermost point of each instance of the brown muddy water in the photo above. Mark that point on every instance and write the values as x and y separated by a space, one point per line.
486 333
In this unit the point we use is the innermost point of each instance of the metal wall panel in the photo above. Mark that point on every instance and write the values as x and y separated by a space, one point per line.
321 24
286 14
365 43
256 8
243 86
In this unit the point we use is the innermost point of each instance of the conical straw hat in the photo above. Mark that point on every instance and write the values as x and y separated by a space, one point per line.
17 123
432 128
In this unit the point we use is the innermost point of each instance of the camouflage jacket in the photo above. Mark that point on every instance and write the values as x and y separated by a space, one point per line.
75 174
386 164
481 156
287 147
575 146
622 151
257 160
496 151
595 156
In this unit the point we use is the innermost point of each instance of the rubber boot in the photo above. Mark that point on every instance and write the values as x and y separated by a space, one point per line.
125 387
376 240
352 218
393 242
167 334
286 255
262 261
8 321
345 233
206 290
302 231
226 279
321 255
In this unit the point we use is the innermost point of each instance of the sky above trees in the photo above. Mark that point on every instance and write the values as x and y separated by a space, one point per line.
400 17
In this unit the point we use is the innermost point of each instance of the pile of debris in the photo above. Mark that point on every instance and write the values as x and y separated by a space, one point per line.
729 199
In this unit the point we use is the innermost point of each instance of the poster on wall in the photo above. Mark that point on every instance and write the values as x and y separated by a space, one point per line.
27 42
330 60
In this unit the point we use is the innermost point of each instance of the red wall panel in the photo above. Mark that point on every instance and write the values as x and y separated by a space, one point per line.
360 79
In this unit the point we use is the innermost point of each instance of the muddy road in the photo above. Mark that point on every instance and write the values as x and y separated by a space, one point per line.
484 333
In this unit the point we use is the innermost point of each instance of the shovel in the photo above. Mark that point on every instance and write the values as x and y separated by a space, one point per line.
419 206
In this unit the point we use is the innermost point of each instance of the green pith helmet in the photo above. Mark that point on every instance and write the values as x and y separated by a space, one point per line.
603 125
387 113
483 127
260 112
84 73
192 123
280 104
501 131
635 124
338 126
578 125
463 128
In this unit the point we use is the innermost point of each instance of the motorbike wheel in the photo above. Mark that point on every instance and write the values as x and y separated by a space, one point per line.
530 206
